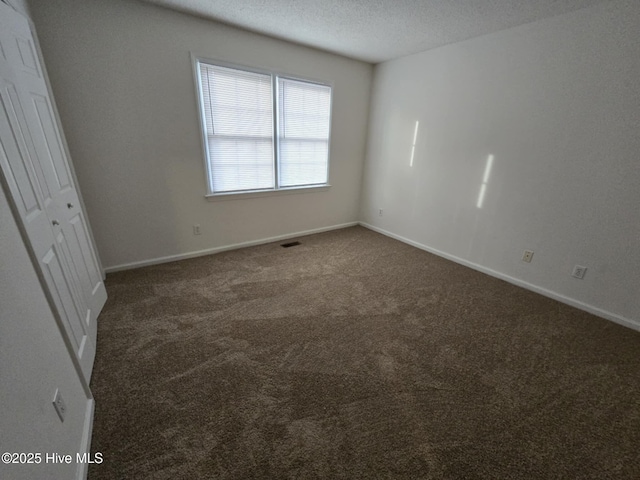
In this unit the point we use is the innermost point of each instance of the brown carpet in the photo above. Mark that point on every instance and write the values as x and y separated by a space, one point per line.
355 356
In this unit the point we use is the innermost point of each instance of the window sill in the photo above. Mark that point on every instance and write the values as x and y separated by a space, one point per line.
217 197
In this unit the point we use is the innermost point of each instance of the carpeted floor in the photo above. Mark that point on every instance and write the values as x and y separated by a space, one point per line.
355 356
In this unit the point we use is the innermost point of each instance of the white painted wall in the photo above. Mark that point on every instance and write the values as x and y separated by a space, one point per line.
122 77
557 102
33 363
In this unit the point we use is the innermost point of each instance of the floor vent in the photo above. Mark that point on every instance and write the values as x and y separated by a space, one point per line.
290 244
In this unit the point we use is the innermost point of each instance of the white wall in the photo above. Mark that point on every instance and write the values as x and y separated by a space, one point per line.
557 102
122 77
33 363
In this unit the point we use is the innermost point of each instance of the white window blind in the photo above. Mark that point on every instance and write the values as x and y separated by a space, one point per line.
304 111
239 116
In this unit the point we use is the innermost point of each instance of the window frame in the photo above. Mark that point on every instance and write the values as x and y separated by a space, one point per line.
274 75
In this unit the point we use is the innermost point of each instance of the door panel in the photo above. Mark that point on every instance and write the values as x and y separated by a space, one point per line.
86 266
14 100
62 296
18 45
28 56
27 200
71 276
50 149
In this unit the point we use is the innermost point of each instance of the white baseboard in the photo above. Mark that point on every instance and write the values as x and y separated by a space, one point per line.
85 445
235 246
627 322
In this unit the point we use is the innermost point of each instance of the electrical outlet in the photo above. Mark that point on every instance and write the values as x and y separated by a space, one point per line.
527 256
380 212
579 271
196 230
59 405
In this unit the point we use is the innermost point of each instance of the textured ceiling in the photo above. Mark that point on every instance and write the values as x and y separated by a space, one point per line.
375 30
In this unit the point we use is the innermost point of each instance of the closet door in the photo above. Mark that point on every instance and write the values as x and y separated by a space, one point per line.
36 170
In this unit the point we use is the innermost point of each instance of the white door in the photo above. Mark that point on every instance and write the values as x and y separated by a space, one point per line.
36 170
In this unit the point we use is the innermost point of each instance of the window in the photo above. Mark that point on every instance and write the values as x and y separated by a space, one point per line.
253 143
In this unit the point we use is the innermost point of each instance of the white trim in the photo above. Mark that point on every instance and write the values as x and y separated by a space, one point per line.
195 61
275 102
235 246
85 445
627 322
214 197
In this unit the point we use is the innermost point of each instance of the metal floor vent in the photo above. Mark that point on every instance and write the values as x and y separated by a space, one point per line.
290 244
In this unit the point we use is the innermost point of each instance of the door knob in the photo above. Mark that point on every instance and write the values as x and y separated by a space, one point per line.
55 222
69 205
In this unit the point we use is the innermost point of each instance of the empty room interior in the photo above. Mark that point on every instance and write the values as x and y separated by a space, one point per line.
347 239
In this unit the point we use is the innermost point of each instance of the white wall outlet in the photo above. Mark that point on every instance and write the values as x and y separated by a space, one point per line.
527 256
579 271
380 212
59 405
196 230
